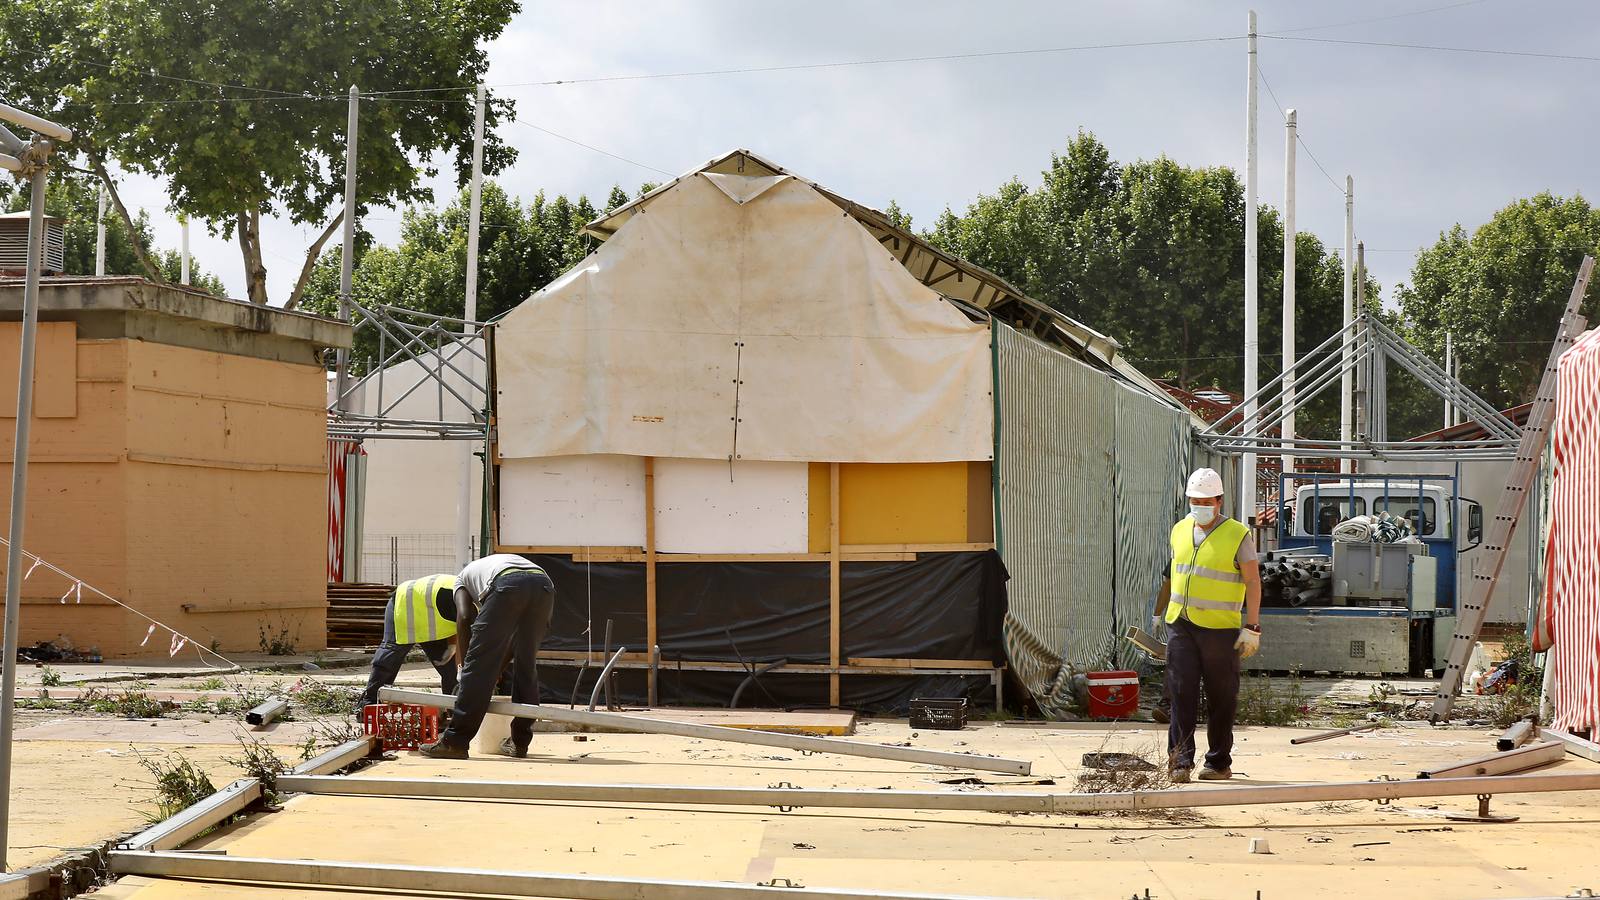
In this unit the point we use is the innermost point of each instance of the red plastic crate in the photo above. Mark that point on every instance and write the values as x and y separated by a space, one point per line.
401 726
1113 695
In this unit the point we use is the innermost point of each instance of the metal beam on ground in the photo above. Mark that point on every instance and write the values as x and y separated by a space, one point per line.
1521 760
645 725
197 819
1517 735
431 879
1575 745
856 798
339 757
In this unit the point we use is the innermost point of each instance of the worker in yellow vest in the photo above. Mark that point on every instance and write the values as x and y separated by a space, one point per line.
421 612
1211 603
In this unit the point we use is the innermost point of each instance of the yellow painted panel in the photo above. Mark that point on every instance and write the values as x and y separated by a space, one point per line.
903 503
55 369
817 507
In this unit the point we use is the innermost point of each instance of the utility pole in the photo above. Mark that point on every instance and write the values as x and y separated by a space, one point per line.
183 256
31 161
1450 371
100 235
1247 476
347 259
1346 419
474 213
1289 136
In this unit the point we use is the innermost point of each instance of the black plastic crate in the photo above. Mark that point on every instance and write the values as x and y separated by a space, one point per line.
943 713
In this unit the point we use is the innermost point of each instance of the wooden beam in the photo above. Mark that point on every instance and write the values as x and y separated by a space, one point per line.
916 548
650 569
833 584
569 550
874 662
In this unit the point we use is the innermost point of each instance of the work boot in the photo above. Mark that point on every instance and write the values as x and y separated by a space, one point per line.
441 750
508 747
1179 775
1160 715
1209 774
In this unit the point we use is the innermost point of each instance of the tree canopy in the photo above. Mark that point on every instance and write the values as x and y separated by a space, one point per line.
240 107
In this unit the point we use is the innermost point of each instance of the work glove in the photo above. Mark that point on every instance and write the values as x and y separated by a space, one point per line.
1248 644
1155 625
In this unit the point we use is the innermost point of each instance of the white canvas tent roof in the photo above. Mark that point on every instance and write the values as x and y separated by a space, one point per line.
959 280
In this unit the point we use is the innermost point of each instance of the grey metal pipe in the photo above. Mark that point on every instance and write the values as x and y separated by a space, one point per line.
267 712
1014 801
19 488
35 124
439 880
600 683
644 725
179 829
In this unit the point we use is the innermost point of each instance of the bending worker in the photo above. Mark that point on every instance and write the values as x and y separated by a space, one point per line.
1211 602
422 611
505 603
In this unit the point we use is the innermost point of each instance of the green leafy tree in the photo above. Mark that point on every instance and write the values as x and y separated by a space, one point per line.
1500 292
240 106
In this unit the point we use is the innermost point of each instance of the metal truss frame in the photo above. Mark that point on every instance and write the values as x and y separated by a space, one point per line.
439 345
1363 348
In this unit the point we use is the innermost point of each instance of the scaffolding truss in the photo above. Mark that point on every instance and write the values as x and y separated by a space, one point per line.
450 357
1364 348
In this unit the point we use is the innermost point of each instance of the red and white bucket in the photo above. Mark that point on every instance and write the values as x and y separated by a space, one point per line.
1113 695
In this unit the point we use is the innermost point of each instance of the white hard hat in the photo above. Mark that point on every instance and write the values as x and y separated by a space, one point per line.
1204 483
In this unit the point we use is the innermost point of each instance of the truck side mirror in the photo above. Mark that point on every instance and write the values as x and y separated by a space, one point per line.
1474 523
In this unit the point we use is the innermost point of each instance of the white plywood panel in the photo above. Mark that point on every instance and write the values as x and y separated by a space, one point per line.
561 501
703 506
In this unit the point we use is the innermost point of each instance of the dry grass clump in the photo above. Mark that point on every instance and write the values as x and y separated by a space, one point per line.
1146 771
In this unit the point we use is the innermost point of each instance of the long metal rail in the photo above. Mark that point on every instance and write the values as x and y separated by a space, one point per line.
439 880
970 801
646 725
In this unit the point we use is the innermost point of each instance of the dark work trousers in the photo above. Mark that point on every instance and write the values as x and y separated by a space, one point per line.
511 621
1197 656
388 658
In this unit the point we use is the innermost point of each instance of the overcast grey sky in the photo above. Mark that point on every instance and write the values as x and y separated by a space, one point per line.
1431 137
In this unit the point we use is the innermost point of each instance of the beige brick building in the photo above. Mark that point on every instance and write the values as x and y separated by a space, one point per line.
178 463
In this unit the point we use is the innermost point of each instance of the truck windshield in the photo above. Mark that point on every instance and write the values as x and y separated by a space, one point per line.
1406 507
1321 514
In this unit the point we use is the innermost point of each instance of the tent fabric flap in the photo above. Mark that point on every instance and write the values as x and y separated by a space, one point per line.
745 318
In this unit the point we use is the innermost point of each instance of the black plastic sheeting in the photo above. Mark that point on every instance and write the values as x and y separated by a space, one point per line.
940 606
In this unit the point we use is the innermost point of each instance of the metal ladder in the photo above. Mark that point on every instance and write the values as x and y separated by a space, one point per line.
1513 500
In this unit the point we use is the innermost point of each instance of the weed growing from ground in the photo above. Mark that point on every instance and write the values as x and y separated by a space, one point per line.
214 683
1260 703
1155 775
279 643
260 762
179 785
322 699
49 677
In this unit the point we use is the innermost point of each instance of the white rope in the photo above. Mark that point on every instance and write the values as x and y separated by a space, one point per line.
179 639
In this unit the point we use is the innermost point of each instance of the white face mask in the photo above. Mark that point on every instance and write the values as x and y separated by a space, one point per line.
1202 514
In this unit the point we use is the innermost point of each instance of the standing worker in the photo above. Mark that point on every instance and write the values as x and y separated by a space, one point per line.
1211 603
422 611
505 602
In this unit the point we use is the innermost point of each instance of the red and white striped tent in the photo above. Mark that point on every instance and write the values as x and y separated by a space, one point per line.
1569 612
345 458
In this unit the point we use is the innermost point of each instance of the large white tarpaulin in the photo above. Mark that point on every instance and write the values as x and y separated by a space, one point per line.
746 317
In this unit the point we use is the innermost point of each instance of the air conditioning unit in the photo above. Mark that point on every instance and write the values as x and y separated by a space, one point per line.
14 244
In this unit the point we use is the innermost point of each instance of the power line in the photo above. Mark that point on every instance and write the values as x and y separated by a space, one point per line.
579 143
796 67
1298 135
1490 51
1415 12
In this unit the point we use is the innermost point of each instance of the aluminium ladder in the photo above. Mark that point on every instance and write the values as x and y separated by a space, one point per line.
1513 500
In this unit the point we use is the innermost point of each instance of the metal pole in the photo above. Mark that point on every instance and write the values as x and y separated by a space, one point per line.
183 256
1449 369
19 484
100 235
347 258
645 725
1247 470
1369 426
1287 460
1345 412
474 214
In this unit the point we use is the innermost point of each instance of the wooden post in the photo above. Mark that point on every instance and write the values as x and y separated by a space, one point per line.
650 568
833 584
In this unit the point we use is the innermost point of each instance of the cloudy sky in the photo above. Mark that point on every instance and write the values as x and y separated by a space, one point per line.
1431 137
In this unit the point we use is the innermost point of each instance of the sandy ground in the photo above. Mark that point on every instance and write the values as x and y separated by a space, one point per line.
1356 850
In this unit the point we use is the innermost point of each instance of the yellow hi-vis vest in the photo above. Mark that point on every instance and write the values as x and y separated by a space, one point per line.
1207 587
416 615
